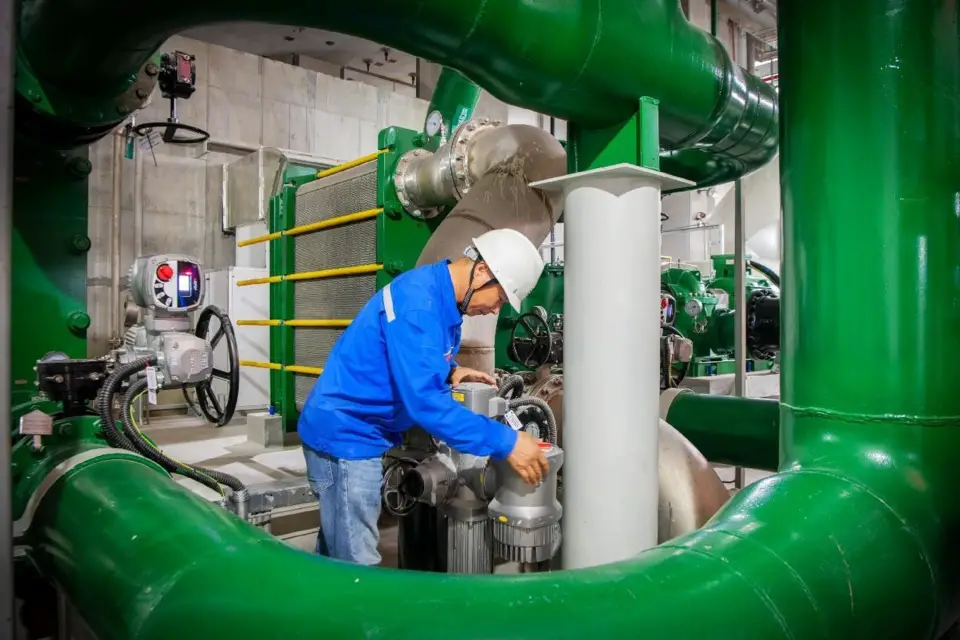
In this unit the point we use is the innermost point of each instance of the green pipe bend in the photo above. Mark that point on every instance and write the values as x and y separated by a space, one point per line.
168 562
576 59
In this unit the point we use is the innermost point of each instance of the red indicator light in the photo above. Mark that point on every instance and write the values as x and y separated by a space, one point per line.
164 272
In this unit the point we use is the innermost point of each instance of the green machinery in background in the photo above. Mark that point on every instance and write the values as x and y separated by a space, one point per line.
533 337
702 311
694 308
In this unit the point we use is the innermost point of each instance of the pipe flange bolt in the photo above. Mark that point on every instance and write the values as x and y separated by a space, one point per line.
460 152
405 183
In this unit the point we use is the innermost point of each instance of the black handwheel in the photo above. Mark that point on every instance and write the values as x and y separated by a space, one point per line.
170 131
206 398
532 350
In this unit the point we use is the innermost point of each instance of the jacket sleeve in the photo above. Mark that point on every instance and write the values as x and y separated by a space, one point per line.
420 371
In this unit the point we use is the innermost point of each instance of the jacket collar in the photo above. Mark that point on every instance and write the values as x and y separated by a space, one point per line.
448 297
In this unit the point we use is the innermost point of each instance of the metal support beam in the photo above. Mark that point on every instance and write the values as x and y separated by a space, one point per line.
740 308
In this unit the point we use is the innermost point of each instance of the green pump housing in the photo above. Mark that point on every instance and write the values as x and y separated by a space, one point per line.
705 315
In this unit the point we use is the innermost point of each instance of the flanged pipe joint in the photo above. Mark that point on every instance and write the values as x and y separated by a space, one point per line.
426 181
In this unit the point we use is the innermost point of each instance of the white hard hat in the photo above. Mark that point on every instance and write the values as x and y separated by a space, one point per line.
514 261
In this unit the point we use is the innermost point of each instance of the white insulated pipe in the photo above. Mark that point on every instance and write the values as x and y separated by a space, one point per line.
611 353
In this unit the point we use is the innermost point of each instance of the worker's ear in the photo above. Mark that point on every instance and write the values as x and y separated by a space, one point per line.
482 275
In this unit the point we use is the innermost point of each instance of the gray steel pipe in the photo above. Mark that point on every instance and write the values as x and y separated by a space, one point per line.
504 160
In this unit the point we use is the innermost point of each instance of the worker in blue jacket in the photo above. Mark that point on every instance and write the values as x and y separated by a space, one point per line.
393 369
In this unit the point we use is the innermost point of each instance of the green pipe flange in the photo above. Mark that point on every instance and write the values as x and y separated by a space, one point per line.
82 118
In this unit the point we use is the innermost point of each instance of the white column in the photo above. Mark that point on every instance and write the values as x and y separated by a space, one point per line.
611 353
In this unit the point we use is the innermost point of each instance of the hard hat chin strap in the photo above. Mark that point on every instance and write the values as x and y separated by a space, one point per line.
463 304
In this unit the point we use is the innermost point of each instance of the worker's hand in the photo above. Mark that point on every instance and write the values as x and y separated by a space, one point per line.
527 459
466 374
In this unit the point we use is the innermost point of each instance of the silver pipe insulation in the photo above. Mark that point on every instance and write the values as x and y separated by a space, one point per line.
115 325
499 163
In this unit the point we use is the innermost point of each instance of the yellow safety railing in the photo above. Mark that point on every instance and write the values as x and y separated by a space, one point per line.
314 275
351 164
276 366
333 323
314 226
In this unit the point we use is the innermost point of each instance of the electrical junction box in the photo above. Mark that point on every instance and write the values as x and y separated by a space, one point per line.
480 398
253 343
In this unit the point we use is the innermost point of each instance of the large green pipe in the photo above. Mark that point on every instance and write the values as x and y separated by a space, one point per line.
583 60
742 432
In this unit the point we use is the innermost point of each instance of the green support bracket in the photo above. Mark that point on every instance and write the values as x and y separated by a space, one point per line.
635 141
648 133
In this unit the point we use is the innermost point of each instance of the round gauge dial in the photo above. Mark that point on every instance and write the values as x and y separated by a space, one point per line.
434 123
693 307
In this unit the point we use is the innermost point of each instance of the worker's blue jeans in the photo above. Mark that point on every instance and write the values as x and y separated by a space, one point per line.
349 495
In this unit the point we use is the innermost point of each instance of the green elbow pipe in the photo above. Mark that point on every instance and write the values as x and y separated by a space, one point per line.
772 564
576 59
742 432
455 99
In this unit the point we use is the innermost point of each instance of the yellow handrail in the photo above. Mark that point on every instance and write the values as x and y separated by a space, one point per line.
328 323
261 365
314 226
314 275
276 366
310 371
350 165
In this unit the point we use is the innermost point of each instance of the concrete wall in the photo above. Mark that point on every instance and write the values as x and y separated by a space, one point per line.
242 100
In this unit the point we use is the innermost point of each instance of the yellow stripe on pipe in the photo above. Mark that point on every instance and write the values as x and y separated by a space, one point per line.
350 165
270 280
333 222
317 323
261 365
310 371
259 239
333 273
259 323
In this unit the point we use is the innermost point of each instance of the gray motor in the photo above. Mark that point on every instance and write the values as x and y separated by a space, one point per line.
520 524
525 517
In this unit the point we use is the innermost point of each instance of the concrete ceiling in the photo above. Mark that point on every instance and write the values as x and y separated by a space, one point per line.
274 40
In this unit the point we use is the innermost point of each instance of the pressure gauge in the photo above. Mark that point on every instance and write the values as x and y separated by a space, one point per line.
693 308
434 123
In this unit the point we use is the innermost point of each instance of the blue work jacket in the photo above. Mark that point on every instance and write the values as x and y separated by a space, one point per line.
389 372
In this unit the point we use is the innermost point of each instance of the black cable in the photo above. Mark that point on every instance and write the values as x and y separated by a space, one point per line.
208 477
767 271
104 404
511 387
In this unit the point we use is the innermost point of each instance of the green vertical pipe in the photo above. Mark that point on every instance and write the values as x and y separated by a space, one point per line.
714 17
575 59
455 97
870 173
741 432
